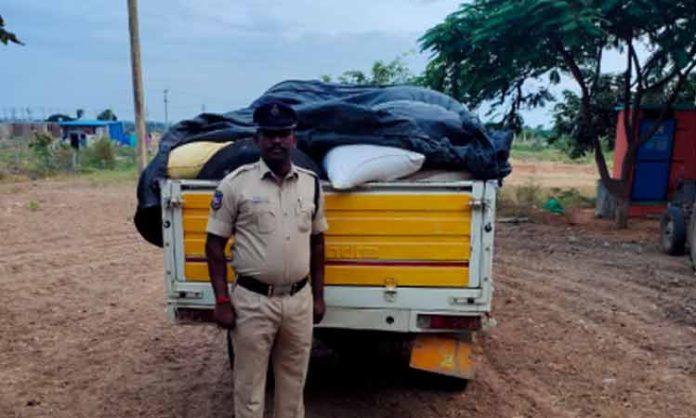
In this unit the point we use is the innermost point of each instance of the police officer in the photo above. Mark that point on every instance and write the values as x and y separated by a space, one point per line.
275 211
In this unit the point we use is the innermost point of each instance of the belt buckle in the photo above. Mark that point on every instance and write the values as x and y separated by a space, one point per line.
282 290
269 291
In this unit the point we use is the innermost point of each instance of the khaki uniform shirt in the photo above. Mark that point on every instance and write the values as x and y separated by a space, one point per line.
271 222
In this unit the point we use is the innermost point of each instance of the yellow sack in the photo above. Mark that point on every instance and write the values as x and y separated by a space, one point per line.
186 161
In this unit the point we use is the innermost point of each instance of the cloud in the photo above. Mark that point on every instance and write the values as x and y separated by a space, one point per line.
217 53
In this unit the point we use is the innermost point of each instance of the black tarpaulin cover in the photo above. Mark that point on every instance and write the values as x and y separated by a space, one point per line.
413 118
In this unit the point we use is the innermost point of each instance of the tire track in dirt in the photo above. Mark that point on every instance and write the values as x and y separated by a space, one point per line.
585 328
623 337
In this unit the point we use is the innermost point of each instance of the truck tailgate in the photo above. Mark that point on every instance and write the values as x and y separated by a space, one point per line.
400 239
379 236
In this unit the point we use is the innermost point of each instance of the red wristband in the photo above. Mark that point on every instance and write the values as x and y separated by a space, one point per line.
222 299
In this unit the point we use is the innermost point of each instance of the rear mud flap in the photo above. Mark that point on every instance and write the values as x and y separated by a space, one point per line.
442 354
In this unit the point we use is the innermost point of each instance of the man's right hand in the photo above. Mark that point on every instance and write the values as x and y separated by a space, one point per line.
224 315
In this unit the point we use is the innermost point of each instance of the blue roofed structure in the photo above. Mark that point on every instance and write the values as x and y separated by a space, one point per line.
86 130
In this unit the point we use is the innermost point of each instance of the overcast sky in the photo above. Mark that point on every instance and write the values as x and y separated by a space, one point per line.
220 54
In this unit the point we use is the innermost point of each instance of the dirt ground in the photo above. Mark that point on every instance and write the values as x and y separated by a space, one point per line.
553 174
592 322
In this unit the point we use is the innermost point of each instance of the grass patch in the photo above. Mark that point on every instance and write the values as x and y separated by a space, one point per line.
103 161
528 200
33 205
99 177
533 150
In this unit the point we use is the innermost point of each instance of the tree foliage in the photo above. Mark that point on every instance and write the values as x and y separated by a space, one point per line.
381 73
59 117
511 51
604 103
7 36
107 115
603 114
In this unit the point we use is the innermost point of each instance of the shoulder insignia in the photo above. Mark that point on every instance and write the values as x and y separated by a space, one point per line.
239 170
306 171
216 203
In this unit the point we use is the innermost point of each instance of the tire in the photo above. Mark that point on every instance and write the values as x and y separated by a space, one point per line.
230 349
691 238
672 231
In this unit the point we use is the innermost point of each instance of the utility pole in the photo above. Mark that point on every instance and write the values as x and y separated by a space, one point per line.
203 108
166 112
137 83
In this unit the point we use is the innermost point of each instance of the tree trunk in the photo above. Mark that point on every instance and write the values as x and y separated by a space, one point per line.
625 183
621 212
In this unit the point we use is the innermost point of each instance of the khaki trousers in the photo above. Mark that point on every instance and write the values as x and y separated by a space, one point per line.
279 327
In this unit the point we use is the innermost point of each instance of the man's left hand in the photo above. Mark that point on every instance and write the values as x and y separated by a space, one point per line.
319 310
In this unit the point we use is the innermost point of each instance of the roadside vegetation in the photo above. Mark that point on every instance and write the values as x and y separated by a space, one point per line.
44 156
103 161
531 145
535 200
532 201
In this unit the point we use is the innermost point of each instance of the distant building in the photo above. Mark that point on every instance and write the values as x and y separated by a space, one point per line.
27 129
86 131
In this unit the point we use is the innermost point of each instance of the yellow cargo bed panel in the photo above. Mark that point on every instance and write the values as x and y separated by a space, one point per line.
339 225
194 245
408 238
397 248
197 271
197 200
397 275
361 202
401 202
194 222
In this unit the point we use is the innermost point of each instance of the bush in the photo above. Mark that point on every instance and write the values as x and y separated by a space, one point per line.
528 200
573 198
47 156
521 201
63 157
42 162
100 154
43 155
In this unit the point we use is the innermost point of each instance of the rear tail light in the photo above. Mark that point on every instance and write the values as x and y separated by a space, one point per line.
472 323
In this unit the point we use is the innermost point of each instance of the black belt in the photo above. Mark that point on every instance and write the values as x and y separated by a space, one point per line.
269 290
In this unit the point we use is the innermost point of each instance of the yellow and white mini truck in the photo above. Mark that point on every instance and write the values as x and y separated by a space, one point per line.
411 259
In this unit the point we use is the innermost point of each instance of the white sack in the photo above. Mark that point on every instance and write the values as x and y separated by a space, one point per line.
351 165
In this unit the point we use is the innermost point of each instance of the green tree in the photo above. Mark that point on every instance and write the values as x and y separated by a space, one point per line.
511 51
80 113
59 117
7 36
107 115
604 102
381 73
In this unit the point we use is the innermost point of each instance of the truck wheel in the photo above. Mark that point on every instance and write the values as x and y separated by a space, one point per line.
230 349
429 380
691 235
672 232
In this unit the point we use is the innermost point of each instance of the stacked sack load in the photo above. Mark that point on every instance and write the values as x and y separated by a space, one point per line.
349 135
